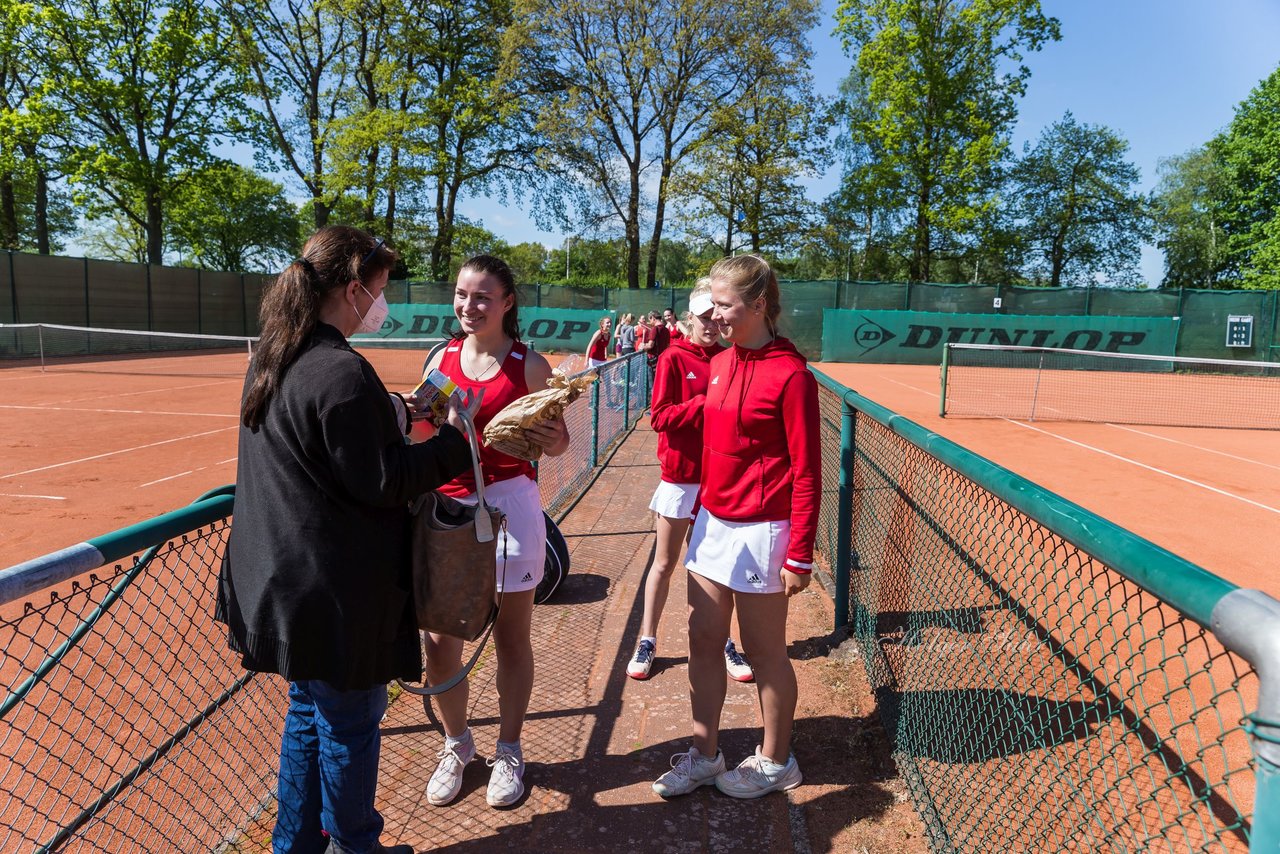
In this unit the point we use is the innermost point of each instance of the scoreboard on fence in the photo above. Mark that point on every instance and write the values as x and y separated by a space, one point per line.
1239 330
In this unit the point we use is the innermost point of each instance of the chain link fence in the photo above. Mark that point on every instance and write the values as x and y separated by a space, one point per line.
127 726
1049 680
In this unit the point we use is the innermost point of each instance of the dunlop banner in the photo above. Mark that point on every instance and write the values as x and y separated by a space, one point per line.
547 330
916 337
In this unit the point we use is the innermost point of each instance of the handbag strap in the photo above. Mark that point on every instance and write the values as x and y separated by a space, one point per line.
484 524
463 672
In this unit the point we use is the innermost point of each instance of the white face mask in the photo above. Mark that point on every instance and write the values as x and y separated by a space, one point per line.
376 315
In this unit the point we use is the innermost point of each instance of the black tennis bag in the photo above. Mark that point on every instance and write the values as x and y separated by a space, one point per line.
557 565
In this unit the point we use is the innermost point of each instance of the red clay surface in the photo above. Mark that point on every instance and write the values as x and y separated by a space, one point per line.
1211 495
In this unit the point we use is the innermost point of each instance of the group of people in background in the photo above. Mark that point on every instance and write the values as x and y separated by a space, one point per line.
315 582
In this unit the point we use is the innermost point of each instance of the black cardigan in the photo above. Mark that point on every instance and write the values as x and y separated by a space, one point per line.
315 580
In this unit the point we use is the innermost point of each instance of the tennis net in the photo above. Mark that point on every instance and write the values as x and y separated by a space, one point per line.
1045 384
53 347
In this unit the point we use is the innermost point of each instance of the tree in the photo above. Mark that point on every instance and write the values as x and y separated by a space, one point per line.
1078 210
940 80
143 84
292 58
634 84
228 217
1186 206
742 176
1249 207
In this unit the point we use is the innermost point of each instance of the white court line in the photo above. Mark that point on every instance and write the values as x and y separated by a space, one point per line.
908 385
114 453
184 474
1260 505
1193 445
50 497
135 393
117 411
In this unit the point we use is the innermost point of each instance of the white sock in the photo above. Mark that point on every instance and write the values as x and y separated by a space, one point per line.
512 747
461 740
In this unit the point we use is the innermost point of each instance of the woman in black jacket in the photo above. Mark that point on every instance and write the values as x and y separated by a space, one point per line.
315 584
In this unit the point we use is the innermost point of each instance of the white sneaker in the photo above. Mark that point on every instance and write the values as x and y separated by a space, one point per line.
736 663
688 772
642 661
506 781
758 775
446 781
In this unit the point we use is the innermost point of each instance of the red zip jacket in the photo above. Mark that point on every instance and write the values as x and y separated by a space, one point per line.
679 390
761 459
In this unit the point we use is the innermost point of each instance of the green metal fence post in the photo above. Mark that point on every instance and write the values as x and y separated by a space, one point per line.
13 288
85 266
942 393
626 394
199 308
844 515
150 327
1247 622
244 307
595 424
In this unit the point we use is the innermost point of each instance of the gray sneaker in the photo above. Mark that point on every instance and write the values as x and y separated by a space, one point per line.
757 776
506 781
688 772
446 781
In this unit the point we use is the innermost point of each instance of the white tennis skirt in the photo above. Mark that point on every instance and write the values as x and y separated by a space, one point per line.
525 539
744 556
674 500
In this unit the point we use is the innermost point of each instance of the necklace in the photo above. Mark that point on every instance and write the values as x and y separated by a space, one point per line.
497 360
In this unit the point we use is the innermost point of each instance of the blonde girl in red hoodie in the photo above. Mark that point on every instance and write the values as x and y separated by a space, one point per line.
679 389
752 542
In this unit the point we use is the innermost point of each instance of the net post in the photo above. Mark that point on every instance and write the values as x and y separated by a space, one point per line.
1035 392
942 395
844 515
1247 622
595 423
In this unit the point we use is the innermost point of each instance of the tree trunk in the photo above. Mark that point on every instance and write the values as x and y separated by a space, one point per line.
920 249
42 212
651 274
8 212
633 222
155 228
389 221
320 210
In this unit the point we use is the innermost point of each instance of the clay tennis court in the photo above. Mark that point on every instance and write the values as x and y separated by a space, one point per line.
92 447
1211 495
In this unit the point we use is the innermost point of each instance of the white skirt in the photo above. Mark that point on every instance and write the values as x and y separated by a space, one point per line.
674 500
744 556
525 539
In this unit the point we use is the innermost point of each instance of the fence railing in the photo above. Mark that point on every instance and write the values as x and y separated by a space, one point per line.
1050 681
126 724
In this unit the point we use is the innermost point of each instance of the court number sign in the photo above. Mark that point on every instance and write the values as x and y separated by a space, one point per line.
1239 330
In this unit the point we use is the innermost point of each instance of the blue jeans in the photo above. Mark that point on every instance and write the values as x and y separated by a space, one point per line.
329 769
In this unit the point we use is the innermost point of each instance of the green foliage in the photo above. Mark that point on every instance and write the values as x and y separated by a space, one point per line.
936 83
1080 216
227 217
142 83
1248 152
1186 206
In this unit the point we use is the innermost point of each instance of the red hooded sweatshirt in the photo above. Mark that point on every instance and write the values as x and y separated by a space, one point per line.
679 390
761 459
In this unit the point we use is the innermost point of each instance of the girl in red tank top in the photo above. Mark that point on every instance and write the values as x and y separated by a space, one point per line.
502 387
488 355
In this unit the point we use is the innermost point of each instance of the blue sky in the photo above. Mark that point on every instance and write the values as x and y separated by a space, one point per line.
1165 74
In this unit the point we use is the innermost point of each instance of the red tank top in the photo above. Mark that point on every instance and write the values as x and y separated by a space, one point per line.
503 387
597 349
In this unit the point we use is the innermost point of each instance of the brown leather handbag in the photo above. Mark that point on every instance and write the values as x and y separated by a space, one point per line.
454 557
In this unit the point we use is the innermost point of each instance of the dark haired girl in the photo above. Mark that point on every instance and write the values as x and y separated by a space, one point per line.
487 355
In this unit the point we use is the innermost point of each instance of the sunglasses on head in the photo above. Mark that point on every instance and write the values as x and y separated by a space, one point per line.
377 244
